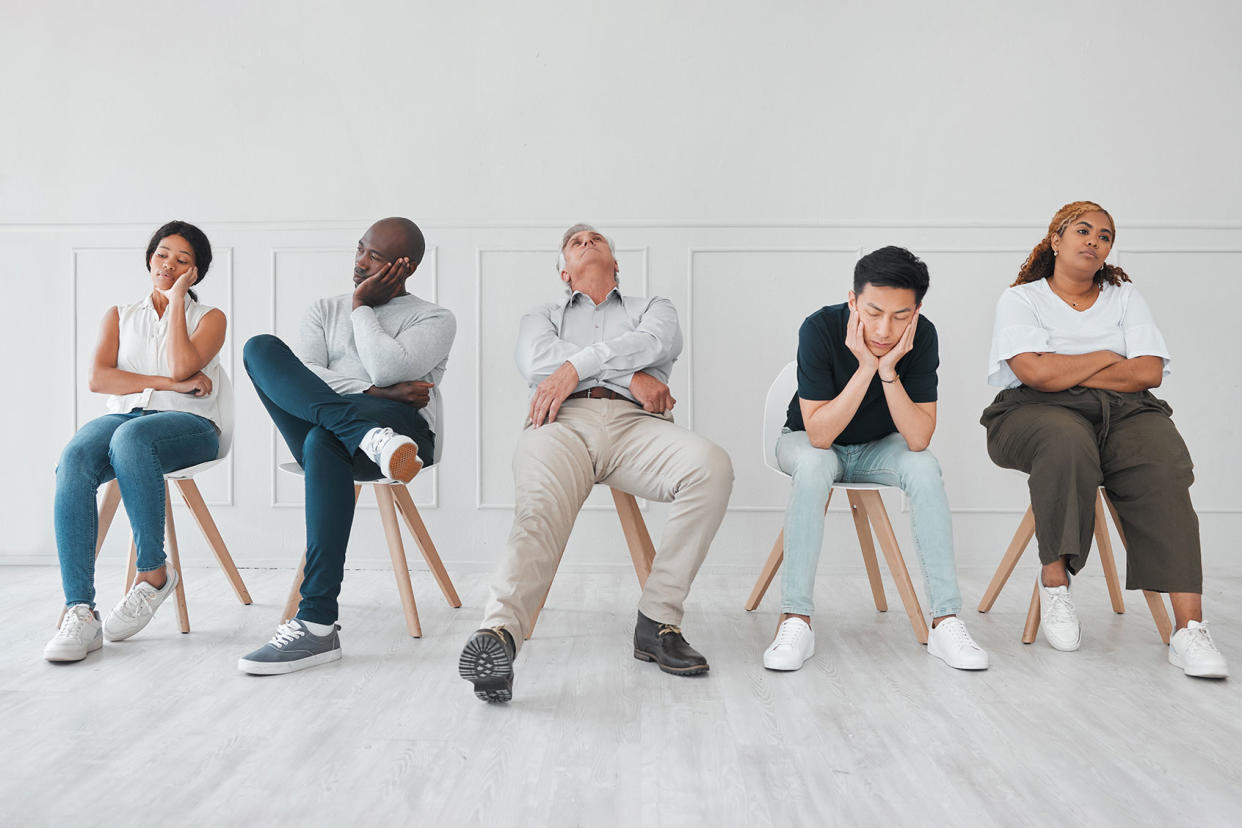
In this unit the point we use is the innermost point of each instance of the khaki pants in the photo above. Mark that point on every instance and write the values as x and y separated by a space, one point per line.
616 443
1070 443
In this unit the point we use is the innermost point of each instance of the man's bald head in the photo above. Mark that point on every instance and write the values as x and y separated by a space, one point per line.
401 236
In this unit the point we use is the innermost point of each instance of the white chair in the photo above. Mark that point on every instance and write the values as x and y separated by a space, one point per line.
393 498
866 506
1022 538
184 479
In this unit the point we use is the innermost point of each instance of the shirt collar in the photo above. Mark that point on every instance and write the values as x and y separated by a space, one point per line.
573 298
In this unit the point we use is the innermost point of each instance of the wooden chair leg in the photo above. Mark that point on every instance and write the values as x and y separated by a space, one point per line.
202 516
1032 616
859 511
1155 603
772 564
1107 562
1021 539
400 567
107 511
883 528
174 557
637 538
131 568
295 591
414 522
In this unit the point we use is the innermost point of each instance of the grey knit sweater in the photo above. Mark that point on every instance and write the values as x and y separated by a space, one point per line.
405 339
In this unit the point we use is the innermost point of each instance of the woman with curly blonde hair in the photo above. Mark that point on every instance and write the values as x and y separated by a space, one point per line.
1077 351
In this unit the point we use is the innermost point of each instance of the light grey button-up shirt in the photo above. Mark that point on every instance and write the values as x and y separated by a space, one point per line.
606 343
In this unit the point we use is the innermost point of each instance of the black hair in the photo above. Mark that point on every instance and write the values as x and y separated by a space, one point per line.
893 267
198 243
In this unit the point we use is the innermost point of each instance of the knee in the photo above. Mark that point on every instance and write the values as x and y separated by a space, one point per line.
816 469
716 466
919 468
320 442
128 442
1069 454
259 346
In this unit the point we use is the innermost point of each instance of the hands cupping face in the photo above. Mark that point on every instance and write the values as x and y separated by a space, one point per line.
385 284
903 346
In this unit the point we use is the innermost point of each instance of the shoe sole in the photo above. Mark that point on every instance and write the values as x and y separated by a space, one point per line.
279 668
405 463
672 671
171 586
1181 665
942 657
96 644
486 664
789 669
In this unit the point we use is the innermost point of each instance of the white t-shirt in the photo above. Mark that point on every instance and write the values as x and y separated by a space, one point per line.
1031 318
143 349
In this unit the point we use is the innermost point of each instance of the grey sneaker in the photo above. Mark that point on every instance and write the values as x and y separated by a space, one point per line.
487 662
292 648
79 634
137 608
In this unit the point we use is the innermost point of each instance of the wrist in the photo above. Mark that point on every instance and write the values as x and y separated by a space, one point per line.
887 380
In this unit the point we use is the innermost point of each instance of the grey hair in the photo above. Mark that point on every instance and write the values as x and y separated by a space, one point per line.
569 234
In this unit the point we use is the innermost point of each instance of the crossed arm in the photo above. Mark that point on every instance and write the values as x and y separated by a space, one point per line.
186 354
1099 369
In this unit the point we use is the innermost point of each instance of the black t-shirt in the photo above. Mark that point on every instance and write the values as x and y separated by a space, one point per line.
825 366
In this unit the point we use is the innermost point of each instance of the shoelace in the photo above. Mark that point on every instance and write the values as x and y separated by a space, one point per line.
287 633
377 440
1200 640
665 629
1061 609
71 627
958 630
136 599
786 633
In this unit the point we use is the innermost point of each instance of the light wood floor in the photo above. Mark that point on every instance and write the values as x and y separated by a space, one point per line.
872 731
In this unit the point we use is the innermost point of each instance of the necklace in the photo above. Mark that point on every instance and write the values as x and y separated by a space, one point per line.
1095 290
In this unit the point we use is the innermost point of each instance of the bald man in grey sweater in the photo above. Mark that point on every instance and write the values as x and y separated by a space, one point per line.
359 400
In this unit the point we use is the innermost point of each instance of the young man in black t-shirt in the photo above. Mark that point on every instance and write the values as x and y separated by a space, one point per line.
864 413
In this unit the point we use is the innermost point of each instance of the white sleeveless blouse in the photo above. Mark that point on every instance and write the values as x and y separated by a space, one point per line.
143 349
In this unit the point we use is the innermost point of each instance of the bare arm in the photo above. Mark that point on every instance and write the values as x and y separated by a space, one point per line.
915 421
1135 374
1057 372
106 378
186 353
826 419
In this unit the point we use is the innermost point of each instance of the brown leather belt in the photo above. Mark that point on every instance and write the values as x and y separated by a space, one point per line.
599 392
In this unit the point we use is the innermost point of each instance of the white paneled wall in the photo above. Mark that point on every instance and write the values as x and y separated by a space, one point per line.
741 292
742 155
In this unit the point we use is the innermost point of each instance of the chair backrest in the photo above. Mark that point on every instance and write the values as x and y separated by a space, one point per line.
224 390
775 408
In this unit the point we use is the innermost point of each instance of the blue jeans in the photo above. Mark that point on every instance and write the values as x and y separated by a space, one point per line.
323 430
888 461
135 449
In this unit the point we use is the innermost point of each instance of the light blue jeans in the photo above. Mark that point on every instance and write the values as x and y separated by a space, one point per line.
888 461
136 449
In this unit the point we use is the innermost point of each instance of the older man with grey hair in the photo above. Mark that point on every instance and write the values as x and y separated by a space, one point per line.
598 365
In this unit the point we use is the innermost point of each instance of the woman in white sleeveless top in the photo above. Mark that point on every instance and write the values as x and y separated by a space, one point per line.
157 362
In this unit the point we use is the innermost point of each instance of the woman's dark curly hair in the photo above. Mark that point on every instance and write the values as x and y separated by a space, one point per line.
198 243
1039 264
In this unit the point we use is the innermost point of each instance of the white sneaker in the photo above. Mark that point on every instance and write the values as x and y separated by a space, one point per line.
950 642
1058 620
78 635
1193 649
793 645
395 454
137 608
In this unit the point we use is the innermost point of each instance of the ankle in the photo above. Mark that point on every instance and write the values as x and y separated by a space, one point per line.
1054 575
787 615
155 577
